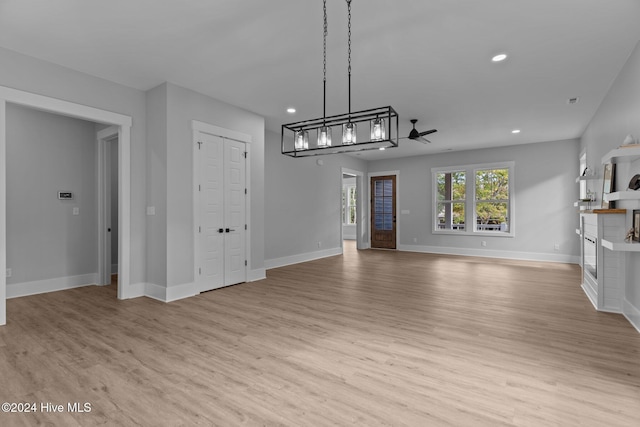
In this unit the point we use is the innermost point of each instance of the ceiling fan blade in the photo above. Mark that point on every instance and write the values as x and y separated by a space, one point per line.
427 132
419 139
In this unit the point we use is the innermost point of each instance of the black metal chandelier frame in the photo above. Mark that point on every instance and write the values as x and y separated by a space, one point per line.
383 122
365 116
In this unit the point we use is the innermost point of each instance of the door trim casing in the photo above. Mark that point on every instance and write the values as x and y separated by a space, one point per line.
395 173
202 127
71 109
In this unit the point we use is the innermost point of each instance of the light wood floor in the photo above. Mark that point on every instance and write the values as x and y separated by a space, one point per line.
369 338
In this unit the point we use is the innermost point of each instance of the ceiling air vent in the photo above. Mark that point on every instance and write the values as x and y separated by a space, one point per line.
571 101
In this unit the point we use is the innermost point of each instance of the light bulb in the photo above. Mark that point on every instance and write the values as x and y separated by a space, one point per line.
324 137
378 132
348 133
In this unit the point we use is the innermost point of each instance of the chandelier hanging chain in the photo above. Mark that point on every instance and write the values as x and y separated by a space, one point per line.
324 62
349 50
380 137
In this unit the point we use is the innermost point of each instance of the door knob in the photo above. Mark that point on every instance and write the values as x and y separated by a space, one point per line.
229 229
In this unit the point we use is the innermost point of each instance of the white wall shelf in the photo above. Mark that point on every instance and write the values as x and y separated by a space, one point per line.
619 155
620 246
622 195
587 178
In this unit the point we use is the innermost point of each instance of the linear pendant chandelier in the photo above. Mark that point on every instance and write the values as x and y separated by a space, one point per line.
381 132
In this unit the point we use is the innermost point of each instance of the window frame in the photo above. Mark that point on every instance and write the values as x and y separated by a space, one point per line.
470 202
436 201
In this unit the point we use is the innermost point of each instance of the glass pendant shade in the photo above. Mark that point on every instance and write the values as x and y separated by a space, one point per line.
301 140
348 133
378 131
324 137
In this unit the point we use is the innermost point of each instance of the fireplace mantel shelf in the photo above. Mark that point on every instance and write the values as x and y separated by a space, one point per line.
606 211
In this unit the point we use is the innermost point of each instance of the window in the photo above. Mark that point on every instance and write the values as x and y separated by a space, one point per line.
450 212
349 195
492 200
485 206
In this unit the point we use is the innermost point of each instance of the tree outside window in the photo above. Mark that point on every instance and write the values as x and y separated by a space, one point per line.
451 200
492 199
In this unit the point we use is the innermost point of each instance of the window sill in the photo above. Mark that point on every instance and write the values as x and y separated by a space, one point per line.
473 233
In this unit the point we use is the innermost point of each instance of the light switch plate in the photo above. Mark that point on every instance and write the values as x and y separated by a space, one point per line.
76 211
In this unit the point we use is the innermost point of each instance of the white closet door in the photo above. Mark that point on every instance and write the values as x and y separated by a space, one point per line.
222 213
211 240
234 213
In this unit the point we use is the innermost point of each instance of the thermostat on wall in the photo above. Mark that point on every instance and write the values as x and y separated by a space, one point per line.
65 195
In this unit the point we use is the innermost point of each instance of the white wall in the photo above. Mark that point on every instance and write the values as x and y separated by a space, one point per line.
47 153
170 111
156 176
303 204
545 190
618 116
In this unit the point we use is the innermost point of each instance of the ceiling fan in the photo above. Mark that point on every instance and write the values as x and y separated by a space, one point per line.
419 136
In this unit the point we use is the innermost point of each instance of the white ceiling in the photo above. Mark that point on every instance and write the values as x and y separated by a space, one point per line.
430 60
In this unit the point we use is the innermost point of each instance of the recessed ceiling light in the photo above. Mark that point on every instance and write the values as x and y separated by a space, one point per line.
291 110
515 131
500 57
382 148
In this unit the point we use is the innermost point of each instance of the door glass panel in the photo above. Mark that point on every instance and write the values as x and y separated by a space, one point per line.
388 188
388 205
379 191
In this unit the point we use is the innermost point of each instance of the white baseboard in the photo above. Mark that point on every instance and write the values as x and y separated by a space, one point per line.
24 289
257 274
590 295
156 292
632 314
487 253
134 290
296 259
182 291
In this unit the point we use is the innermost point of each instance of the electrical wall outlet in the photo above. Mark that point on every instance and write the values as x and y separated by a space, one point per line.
483 243
556 247
319 244
9 272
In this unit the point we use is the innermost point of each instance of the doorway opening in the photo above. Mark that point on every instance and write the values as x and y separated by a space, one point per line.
353 218
96 115
349 206
107 206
